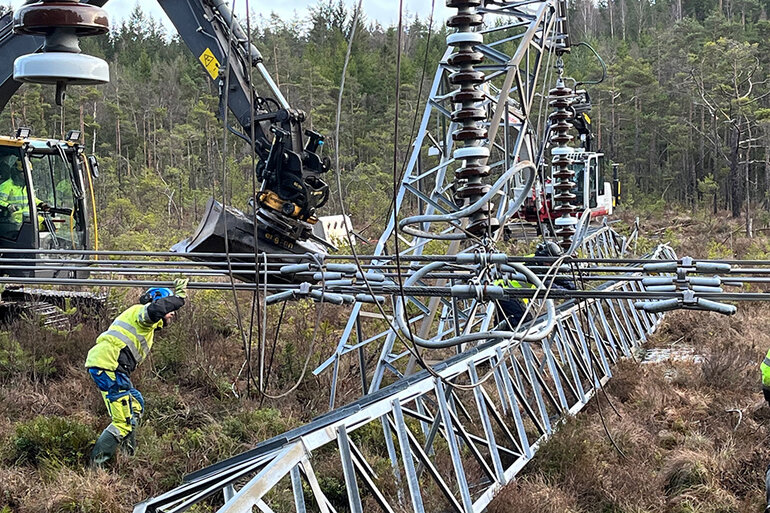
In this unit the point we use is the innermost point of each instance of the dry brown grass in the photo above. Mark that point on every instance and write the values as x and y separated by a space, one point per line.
683 451
193 418
535 494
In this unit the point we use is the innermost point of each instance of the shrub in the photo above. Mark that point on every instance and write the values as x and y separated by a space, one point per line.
54 439
255 426
15 360
73 491
728 366
685 470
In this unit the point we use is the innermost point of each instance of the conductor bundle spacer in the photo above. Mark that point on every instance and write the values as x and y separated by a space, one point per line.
61 23
469 113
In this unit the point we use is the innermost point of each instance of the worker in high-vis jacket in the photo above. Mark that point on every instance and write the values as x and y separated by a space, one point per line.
765 368
13 191
117 353
513 309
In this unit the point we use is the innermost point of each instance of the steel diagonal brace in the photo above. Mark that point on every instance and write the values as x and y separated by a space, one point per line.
513 69
253 491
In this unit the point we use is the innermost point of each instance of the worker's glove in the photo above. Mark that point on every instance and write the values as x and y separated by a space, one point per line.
180 287
12 208
43 206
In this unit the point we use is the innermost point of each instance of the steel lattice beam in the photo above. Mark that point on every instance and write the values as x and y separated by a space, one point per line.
529 30
490 431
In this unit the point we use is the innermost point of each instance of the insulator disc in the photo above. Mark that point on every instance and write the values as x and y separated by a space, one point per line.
466 96
471 171
470 190
465 20
469 134
485 224
42 18
463 4
465 78
55 67
561 138
465 58
469 114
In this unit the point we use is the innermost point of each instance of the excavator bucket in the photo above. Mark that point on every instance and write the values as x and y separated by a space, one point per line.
228 230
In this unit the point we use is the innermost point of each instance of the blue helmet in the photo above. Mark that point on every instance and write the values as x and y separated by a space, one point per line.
153 294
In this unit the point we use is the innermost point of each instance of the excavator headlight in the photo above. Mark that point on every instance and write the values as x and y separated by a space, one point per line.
73 135
23 132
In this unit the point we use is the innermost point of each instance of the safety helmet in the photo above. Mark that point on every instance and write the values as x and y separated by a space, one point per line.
153 294
548 248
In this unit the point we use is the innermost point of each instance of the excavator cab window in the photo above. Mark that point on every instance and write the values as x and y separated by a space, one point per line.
58 194
593 181
579 168
14 200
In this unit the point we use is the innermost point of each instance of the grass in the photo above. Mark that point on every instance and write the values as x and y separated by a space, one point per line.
684 451
197 413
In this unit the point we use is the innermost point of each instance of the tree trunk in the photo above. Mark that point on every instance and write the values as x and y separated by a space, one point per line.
767 175
736 178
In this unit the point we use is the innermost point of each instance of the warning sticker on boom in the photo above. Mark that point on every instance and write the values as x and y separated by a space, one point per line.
210 63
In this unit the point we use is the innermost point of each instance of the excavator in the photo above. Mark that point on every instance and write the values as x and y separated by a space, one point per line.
592 192
41 40
39 43
46 203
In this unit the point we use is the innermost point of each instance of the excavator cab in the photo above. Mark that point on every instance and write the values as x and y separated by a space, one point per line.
42 198
590 188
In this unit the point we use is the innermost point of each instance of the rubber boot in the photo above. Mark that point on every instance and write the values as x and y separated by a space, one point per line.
128 444
104 449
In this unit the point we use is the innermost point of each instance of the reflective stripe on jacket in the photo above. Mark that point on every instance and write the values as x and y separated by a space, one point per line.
12 194
765 368
126 343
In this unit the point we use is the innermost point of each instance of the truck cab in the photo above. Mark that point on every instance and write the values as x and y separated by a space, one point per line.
591 189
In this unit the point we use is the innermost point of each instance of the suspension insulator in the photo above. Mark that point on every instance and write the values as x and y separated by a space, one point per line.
62 23
469 113
561 98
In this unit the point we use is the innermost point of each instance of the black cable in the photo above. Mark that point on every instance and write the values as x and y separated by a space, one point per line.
419 92
591 363
272 352
255 302
397 250
223 112
601 62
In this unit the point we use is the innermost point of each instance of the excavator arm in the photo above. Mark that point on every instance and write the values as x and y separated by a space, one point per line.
289 162
12 46
290 166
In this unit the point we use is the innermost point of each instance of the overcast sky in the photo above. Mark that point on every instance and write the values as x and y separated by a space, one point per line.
383 11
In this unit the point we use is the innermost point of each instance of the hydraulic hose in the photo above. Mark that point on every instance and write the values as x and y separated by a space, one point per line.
405 224
543 332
